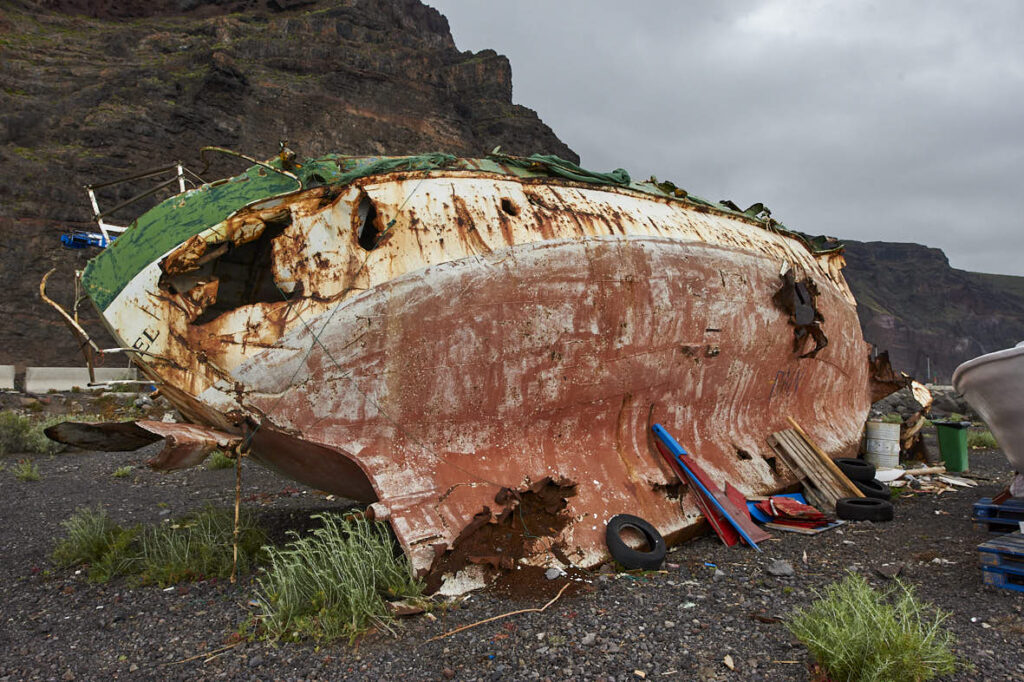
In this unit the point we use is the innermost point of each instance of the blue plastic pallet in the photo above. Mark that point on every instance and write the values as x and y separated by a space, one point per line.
1011 509
998 518
1004 554
995 577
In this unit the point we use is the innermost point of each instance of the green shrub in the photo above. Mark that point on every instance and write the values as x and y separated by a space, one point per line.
981 439
892 418
333 583
218 460
122 472
21 434
857 633
15 432
26 470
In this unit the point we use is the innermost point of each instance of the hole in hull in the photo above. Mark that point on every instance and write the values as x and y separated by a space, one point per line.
508 207
245 274
368 230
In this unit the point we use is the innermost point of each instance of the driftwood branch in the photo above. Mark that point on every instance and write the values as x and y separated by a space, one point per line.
504 615
215 652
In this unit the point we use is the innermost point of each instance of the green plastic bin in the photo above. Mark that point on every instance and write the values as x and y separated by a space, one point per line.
953 444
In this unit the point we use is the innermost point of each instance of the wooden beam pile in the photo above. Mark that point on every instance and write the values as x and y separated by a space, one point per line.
824 483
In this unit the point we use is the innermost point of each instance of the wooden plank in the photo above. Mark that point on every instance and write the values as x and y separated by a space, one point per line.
817 485
803 531
809 463
833 467
725 532
737 498
777 446
736 517
798 450
814 495
824 478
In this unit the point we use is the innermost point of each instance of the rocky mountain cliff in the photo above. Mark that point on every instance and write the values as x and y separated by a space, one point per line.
93 90
927 314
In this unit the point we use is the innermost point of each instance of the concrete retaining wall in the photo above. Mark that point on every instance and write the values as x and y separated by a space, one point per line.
44 379
6 377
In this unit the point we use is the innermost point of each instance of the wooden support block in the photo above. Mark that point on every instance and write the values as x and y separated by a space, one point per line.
807 461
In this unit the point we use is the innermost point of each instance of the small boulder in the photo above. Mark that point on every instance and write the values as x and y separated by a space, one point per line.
781 568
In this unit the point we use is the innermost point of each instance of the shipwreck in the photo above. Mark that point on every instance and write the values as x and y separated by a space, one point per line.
477 348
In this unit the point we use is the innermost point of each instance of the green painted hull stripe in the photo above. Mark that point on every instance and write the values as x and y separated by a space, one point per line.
170 223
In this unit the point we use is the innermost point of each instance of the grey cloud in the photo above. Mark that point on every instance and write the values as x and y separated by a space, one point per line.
890 121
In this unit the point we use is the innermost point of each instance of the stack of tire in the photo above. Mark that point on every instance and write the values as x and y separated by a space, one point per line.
875 505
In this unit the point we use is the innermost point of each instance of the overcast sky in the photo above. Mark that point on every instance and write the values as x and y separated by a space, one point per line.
888 120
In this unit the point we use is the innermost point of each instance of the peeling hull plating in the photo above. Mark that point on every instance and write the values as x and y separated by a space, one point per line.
441 343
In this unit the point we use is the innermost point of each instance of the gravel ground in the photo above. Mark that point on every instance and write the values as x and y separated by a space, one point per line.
678 624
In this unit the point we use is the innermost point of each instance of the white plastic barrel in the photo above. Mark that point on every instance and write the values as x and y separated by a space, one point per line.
882 444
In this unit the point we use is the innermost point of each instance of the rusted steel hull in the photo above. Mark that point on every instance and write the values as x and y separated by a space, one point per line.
485 366
551 361
184 445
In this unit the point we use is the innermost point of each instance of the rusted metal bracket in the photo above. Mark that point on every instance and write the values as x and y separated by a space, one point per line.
86 344
98 215
798 298
231 152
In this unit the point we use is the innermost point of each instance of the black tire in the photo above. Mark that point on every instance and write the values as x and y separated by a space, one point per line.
864 509
650 560
856 469
874 489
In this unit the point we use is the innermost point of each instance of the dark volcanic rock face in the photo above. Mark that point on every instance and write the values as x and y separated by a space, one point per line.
92 90
911 302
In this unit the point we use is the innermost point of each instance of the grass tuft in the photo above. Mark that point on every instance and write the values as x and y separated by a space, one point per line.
218 460
977 440
857 633
333 583
26 470
90 534
122 472
197 546
892 418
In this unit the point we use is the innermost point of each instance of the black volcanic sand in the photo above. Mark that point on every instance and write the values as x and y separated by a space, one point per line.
675 625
